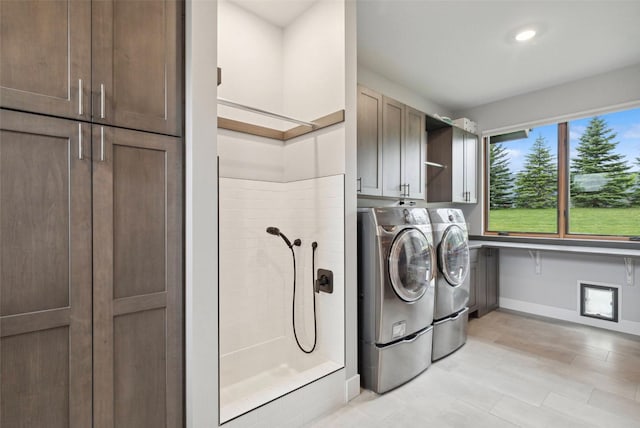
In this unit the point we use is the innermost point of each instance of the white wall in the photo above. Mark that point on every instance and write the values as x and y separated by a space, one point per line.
314 61
554 292
350 201
373 80
321 91
201 243
256 272
582 97
250 53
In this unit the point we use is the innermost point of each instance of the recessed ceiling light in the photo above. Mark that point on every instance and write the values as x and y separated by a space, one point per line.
525 35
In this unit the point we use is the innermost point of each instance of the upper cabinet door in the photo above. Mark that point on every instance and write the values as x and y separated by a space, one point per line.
414 154
392 139
136 69
369 142
45 56
470 165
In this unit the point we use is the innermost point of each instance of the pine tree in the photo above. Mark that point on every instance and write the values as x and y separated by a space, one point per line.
499 177
598 161
635 195
537 183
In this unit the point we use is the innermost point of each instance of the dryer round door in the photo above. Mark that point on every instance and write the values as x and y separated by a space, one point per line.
411 264
453 256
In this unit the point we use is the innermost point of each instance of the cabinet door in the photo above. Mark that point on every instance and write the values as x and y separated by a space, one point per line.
470 167
45 272
473 281
136 68
392 138
45 56
414 153
458 172
369 142
137 279
492 278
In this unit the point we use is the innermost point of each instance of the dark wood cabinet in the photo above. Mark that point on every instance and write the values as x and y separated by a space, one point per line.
483 281
137 279
90 275
115 63
45 272
45 57
91 289
136 64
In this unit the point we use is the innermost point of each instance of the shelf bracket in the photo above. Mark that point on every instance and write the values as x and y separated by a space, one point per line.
535 256
628 270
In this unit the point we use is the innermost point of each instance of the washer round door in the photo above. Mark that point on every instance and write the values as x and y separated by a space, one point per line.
411 264
454 255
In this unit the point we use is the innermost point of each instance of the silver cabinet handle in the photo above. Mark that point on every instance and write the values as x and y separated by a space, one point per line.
80 110
359 184
80 141
102 101
408 190
102 144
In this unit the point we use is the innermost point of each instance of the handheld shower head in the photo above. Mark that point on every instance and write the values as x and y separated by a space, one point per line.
275 231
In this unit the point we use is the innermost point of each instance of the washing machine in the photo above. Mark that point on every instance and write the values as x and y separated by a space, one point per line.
451 313
396 271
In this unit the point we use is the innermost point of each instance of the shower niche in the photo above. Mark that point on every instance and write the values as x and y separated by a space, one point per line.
281 202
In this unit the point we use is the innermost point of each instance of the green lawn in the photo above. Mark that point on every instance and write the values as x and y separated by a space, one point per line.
596 221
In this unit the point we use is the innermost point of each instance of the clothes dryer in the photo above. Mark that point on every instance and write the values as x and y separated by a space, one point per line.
396 268
452 290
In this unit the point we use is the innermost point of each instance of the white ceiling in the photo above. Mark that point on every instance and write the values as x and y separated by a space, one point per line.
461 54
278 12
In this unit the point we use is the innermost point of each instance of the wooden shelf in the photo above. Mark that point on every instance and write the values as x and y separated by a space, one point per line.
262 131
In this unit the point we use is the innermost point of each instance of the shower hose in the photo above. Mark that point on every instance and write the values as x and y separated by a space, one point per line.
314 245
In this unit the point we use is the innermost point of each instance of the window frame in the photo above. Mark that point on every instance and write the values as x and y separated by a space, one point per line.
562 210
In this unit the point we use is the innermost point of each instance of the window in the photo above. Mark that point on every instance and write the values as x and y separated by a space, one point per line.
572 179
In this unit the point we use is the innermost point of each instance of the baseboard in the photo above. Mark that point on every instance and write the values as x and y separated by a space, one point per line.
623 326
352 387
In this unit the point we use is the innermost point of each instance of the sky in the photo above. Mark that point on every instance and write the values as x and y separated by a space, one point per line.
625 123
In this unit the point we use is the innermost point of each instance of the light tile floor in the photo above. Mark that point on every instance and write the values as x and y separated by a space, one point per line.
514 371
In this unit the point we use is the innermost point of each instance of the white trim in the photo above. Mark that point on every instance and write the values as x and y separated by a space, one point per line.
562 118
601 323
623 326
201 215
352 387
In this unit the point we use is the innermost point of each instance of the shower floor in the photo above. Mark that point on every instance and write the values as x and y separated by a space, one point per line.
252 392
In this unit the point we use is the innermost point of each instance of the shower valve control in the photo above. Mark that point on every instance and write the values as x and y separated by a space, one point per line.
324 281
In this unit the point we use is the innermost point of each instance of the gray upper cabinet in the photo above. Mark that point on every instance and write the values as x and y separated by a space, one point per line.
111 62
414 148
457 151
137 65
391 147
393 116
369 142
45 57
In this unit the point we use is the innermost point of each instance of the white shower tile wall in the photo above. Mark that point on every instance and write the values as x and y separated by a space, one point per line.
256 274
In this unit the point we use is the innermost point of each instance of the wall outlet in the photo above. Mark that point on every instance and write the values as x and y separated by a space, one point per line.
324 281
